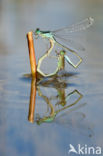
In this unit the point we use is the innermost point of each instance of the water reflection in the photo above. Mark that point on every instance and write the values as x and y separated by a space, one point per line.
32 101
61 108
55 104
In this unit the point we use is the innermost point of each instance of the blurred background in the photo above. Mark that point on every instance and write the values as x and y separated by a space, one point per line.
17 135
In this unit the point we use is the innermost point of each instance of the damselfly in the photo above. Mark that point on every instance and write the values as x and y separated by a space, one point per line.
63 34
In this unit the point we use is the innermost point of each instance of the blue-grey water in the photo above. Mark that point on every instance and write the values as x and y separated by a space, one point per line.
80 123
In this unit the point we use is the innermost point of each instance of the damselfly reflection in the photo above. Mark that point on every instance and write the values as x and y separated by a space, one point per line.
54 109
61 108
55 104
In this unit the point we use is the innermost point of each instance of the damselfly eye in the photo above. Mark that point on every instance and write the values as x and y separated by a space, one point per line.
37 31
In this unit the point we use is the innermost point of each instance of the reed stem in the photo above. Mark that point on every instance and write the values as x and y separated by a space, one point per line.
31 53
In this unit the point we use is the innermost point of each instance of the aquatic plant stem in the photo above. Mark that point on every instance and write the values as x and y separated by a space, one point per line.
31 53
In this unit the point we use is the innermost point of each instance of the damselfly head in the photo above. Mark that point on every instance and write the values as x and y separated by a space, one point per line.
38 122
62 52
37 32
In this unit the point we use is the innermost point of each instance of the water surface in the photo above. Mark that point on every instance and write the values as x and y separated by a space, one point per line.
80 123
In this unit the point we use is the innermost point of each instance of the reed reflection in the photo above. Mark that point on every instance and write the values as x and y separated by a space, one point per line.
32 101
55 104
